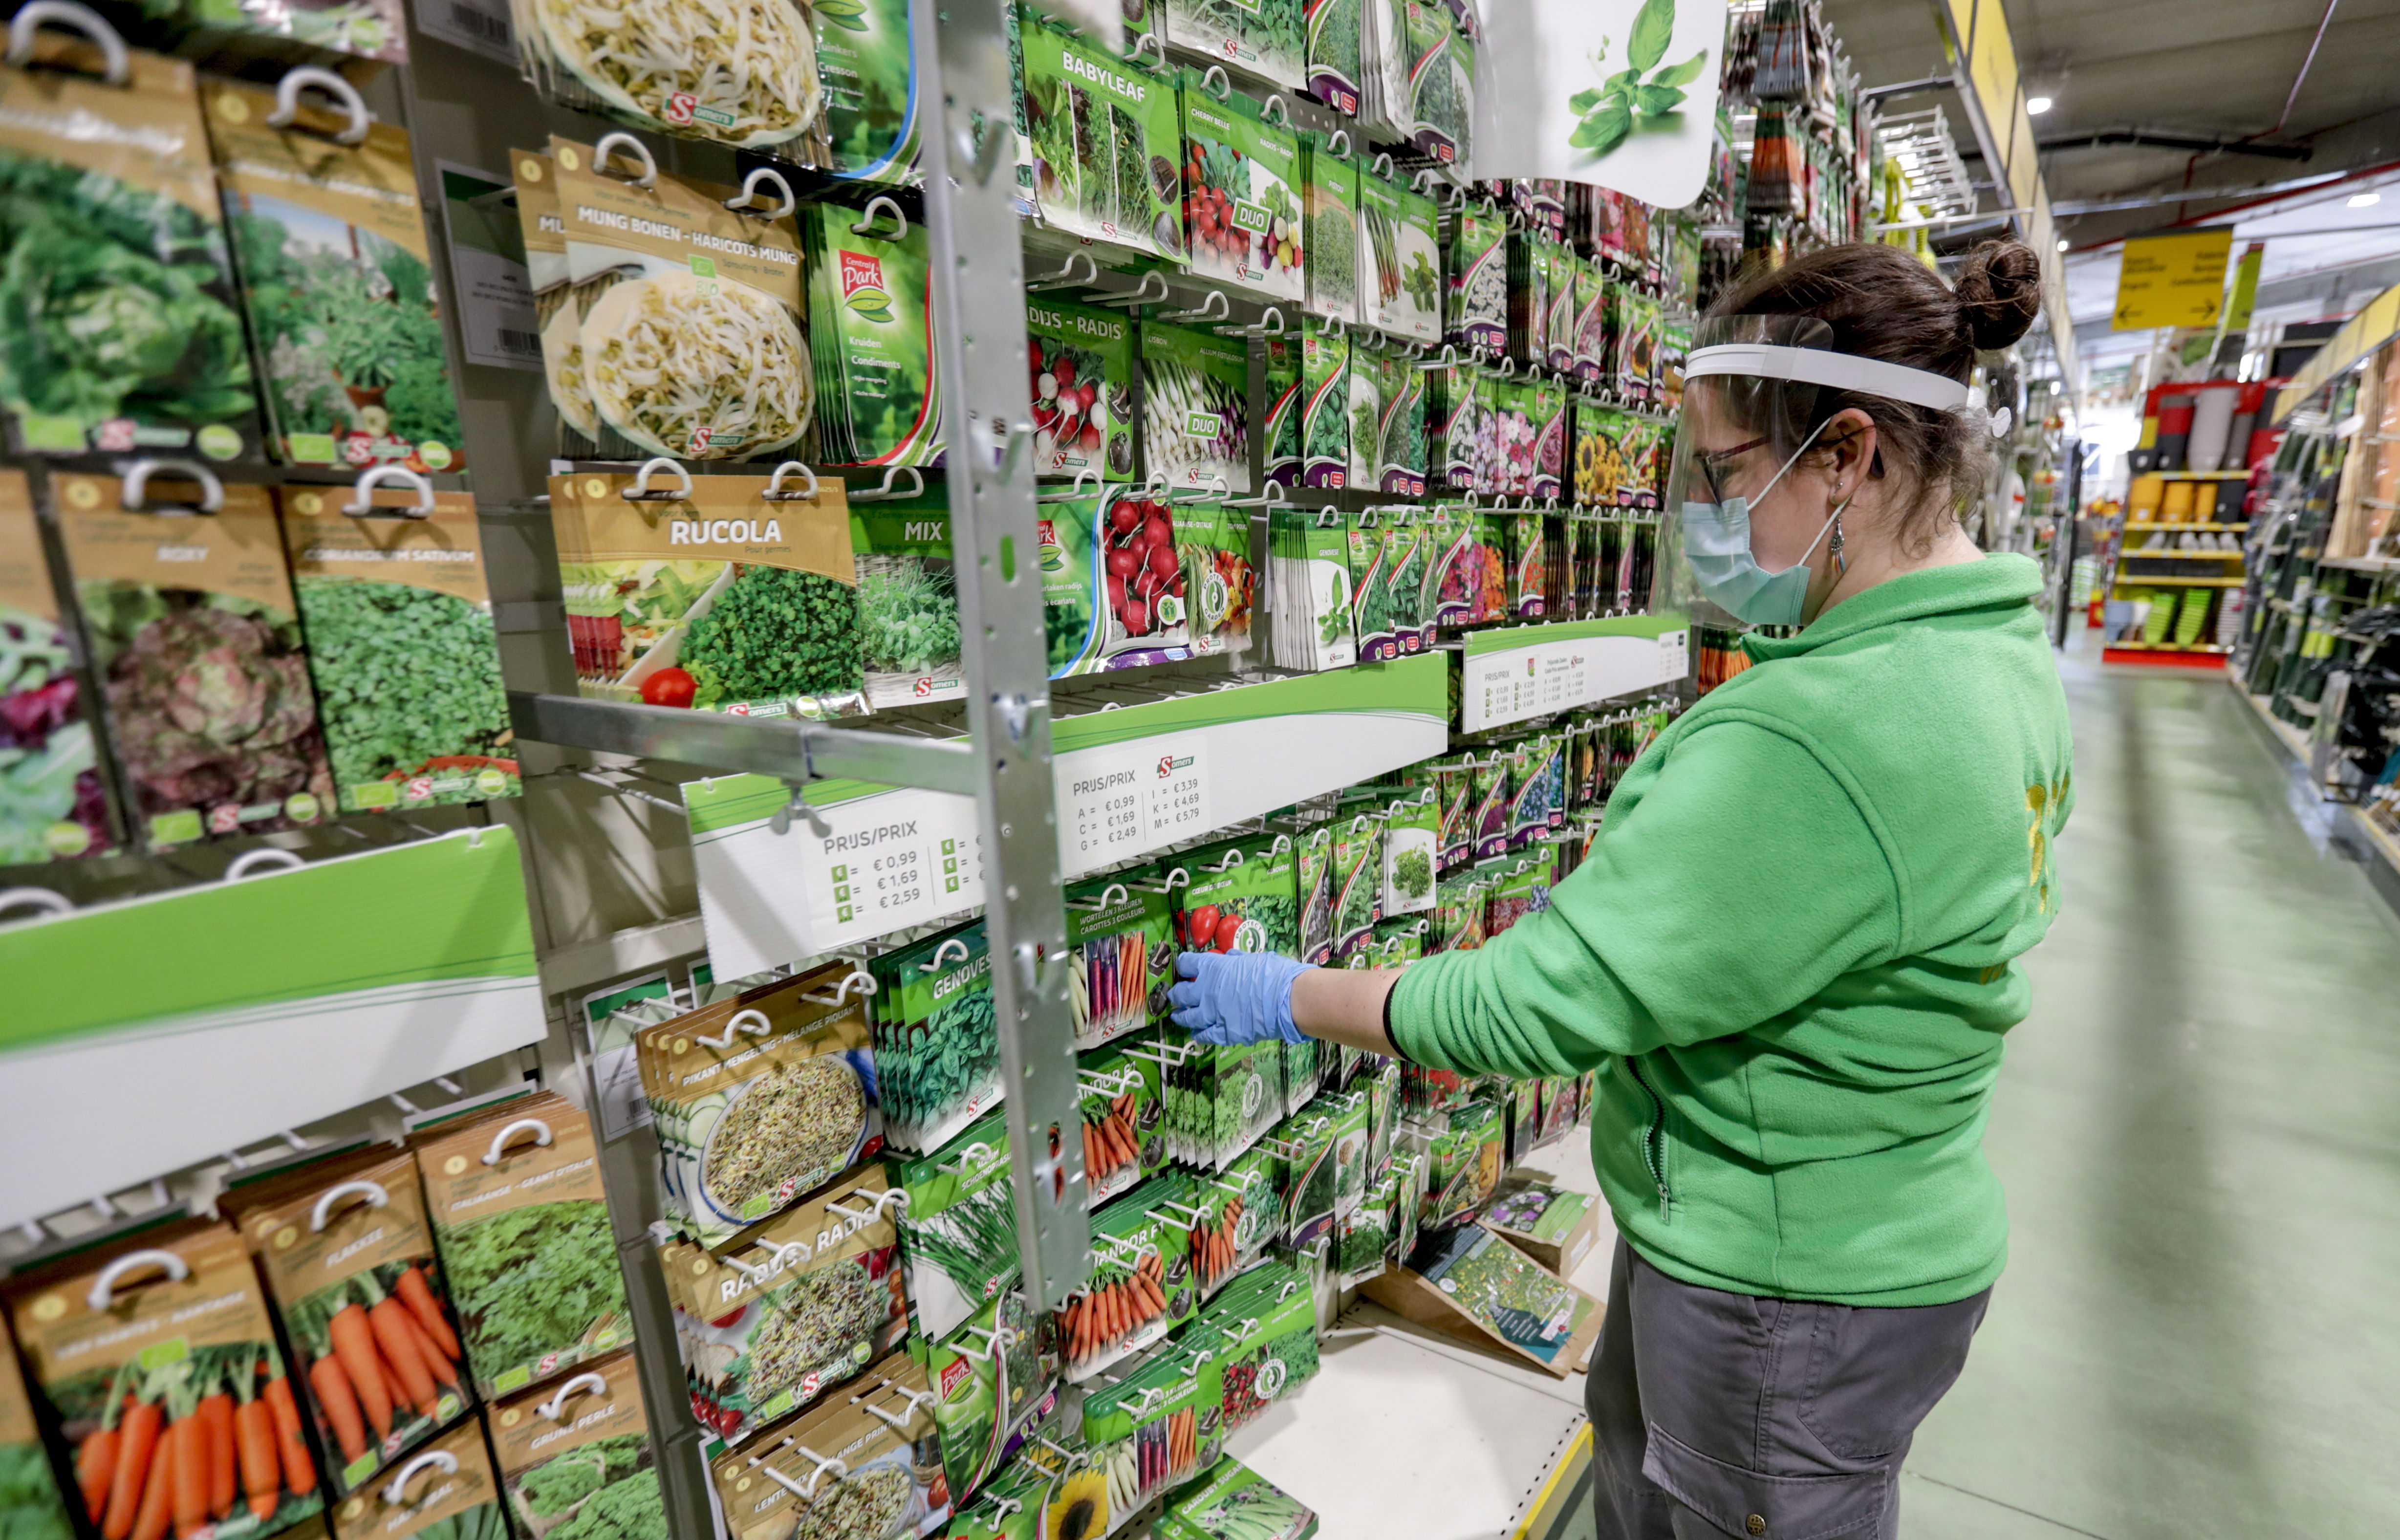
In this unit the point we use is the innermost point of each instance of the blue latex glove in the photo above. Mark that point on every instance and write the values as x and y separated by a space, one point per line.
1236 996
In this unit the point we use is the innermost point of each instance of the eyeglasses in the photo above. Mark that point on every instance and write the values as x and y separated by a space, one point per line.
1714 463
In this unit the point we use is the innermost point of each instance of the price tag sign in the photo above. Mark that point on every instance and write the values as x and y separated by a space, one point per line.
1128 799
1545 675
885 862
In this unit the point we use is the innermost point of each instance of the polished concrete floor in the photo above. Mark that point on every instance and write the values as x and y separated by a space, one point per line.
2199 1128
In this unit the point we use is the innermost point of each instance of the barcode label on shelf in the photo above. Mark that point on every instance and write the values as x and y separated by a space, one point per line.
496 324
478 26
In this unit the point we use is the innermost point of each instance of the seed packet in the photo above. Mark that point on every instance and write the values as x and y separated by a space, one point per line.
1454 425
1221 583
1495 433
1081 364
1402 256
1454 835
1326 422
702 592
407 582
865 1463
1428 1093
1370 596
867 70
697 293
907 600
1516 437
1122 1114
1674 350
348 1260
1154 1428
1465 1159
1266 42
936 1044
1117 935
52 805
1351 1115
1382 1083
992 1380
1531 1311
36 1504
1477 307
958 1229
1358 880
879 394
1284 411
1333 54
759 1100
1565 303
582 1455
1220 1100
1529 297
1233 1216
450 1491
331 244
1411 826
1366 394
1329 207
795 1305
1310 1176
1196 404
1312 588
557 308
1547 401
750 82
1637 349
123 331
1103 136
521 1224
1408 548
1600 467
1262 1331
1594 361
1363 1237
1241 195
1109 583
1400 457
1382 70
1141 1283
1529 565
1441 84
180 608
1492 804
1299 1074
1244 900
160 1345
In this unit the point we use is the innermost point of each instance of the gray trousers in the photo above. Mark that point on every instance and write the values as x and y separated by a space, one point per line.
1724 1414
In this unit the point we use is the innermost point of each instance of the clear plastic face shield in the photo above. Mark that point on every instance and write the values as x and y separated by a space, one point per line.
1751 404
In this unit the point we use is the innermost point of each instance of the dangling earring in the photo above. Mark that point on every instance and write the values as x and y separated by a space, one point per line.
1841 563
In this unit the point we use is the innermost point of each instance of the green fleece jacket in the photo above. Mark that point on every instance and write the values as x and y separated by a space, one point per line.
1792 952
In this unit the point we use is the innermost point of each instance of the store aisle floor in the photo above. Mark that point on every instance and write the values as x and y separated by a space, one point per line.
2199 1130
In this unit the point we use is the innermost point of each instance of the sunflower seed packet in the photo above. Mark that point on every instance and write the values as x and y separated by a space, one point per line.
791 1307
760 1099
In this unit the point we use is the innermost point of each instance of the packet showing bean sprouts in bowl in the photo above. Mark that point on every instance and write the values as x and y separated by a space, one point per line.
760 1099
743 74
557 311
718 593
793 1307
865 1463
692 324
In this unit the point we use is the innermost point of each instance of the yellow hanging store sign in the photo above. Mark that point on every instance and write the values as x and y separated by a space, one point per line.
2173 281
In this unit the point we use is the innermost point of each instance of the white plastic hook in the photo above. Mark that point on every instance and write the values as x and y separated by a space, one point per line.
855 979
1141 292
1084 476
1217 83
134 495
775 493
752 1022
1065 277
1113 893
555 1407
621 140
373 1191
916 477
1213 308
116 66
287 102
42 900
1274 497
941 954
973 1154
1276 110
875 1206
915 1401
1449 359
363 503
741 201
395 1491
866 225
1339 144
640 491
538 1129
103 1289
251 863
1145 44
1259 327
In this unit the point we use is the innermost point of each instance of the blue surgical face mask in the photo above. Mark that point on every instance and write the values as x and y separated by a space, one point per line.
1716 547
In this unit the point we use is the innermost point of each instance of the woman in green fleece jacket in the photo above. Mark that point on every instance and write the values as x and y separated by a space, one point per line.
1792 953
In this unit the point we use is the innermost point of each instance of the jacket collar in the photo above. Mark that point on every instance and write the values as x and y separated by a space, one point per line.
2002 580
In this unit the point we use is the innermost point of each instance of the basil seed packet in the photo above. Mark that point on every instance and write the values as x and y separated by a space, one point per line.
1411 826
402 649
122 330
331 242
1103 135
1195 406
1081 365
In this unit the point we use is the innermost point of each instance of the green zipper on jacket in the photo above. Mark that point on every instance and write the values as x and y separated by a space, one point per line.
1654 1137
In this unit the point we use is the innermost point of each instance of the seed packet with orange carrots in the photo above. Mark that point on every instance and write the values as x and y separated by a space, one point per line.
582 1450
1156 1427
1140 1287
446 1490
1124 1139
158 1358
349 1258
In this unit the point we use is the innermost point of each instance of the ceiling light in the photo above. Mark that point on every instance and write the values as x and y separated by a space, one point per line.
2062 245
2037 106
2364 200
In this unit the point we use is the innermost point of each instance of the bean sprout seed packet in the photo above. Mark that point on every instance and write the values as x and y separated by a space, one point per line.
52 804
704 591
521 1224
331 244
691 311
557 309
118 325
745 77
992 1380
181 605
958 1228
398 612
1140 1285
760 1099
937 1043
1195 409
1082 366
154 1344
579 1461
792 1307
1103 133
348 1258
867 1462
1124 1139
448 1492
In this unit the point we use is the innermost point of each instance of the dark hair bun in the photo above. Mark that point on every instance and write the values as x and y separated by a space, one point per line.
1999 292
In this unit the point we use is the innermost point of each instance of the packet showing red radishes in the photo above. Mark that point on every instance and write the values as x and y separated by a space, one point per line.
1112 587
1081 361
